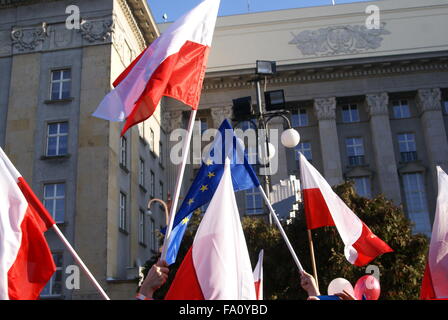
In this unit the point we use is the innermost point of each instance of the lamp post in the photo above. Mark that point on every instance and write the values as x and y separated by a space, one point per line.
275 102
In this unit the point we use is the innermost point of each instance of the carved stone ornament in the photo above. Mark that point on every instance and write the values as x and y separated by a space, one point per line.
325 108
429 99
28 38
172 120
339 40
97 30
377 104
221 113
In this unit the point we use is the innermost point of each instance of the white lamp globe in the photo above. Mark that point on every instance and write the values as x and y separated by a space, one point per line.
290 138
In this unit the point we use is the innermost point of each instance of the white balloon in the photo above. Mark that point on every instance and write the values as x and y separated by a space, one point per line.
338 285
290 138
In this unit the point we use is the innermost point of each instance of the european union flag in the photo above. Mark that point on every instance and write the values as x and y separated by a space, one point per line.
225 145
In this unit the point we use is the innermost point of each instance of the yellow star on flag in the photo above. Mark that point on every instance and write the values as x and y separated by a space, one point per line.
190 201
204 188
209 162
211 174
185 220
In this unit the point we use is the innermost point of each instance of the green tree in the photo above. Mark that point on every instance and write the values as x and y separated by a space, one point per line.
401 270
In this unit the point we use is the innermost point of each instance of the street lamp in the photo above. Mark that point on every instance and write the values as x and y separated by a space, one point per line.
165 206
275 107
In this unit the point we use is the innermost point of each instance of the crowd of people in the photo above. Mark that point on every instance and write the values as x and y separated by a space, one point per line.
158 274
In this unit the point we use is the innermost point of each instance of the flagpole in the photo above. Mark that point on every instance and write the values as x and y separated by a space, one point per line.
313 259
80 262
185 155
277 222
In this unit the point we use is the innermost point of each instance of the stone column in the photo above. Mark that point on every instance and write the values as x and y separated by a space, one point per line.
430 107
325 109
221 113
171 120
383 146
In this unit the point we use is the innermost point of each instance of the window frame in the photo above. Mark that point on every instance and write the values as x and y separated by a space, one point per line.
351 108
123 213
419 189
142 227
300 118
141 172
50 282
304 151
399 105
252 195
367 186
61 82
54 199
356 158
58 137
123 152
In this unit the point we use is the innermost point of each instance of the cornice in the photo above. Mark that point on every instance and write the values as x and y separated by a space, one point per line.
132 23
328 73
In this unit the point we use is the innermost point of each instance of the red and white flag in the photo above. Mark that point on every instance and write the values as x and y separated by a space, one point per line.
174 66
217 266
26 263
258 276
323 208
435 280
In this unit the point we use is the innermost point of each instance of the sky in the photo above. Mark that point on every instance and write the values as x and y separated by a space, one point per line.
175 8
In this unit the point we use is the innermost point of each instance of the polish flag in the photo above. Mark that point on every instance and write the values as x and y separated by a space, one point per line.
323 208
258 276
174 66
217 266
26 263
435 280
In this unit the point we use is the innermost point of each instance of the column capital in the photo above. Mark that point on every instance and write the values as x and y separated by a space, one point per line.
325 108
429 100
377 104
221 113
172 120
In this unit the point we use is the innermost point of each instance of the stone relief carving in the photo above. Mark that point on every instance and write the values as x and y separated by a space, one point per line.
429 99
339 40
325 108
97 30
172 120
221 113
29 38
377 104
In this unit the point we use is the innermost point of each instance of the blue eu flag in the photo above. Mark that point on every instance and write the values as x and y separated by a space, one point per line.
225 145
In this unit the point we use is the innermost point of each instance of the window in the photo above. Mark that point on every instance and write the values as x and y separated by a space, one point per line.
151 140
299 119
161 194
123 212
141 227
54 200
60 84
123 151
363 187
355 151
350 113
400 109
203 125
305 149
57 139
407 147
54 286
161 157
153 184
141 173
141 130
416 203
152 226
445 106
254 202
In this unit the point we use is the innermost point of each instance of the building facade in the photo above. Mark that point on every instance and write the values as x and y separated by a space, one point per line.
370 105
53 74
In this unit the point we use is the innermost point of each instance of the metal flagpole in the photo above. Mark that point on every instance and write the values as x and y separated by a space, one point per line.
80 262
277 222
185 155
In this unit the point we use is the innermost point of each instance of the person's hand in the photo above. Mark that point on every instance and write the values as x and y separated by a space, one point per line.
309 284
157 276
344 295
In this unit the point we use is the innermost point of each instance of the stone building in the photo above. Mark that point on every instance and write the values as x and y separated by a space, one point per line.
370 105
96 185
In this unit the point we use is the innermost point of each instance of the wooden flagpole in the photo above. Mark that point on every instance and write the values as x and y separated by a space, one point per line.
80 262
313 259
185 155
279 225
